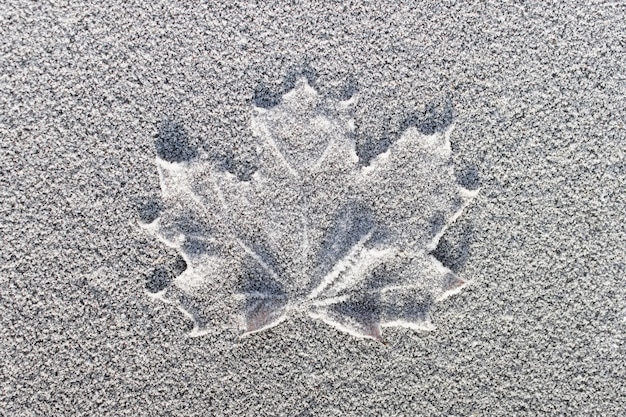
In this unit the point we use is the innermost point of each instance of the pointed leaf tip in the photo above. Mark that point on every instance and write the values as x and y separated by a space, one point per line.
263 313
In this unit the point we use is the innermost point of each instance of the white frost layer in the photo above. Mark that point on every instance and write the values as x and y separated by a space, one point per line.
312 230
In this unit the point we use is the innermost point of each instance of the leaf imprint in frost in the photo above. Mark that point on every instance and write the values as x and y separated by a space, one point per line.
312 232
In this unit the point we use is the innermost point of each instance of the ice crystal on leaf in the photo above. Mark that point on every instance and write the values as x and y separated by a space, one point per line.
312 232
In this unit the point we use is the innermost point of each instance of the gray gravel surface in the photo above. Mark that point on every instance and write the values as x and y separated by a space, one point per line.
89 93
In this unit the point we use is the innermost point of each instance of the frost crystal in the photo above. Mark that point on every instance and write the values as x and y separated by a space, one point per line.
312 232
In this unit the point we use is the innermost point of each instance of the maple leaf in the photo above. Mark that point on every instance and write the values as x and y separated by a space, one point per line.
312 232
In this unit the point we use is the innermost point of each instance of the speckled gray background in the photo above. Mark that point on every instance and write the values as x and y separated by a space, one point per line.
536 91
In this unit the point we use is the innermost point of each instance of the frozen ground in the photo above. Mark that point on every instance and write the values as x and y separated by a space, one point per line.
90 94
